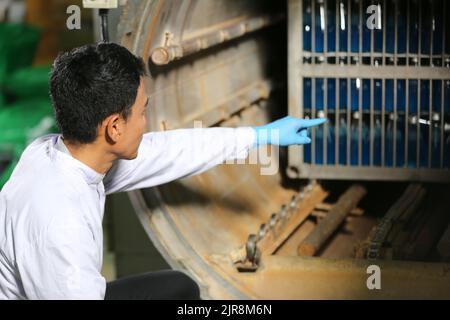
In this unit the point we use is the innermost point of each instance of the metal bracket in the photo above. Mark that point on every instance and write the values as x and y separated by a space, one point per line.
272 234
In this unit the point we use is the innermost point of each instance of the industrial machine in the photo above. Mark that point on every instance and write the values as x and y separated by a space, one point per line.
317 227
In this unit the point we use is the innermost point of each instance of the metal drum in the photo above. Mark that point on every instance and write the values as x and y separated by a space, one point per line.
217 62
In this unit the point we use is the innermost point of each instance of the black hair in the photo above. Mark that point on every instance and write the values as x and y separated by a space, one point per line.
90 83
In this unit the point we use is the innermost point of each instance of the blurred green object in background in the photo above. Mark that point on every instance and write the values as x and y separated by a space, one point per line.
21 123
25 107
18 43
30 82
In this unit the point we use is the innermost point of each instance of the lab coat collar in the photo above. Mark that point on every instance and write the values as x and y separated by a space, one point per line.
90 175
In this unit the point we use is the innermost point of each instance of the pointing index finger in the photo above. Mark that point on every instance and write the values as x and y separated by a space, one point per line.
306 123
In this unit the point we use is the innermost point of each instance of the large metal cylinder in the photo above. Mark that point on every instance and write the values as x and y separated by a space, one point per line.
215 61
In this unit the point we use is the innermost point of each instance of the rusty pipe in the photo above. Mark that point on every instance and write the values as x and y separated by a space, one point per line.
331 222
166 54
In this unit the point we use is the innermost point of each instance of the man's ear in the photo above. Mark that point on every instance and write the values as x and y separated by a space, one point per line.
113 127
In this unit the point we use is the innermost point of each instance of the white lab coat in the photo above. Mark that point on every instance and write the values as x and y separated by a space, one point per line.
51 209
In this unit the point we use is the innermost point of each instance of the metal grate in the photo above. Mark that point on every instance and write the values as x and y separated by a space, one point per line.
385 90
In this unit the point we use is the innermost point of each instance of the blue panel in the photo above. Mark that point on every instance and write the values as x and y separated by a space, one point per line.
319 145
365 143
424 96
377 142
366 94
342 142
343 26
378 39
437 95
413 96
401 26
331 25
355 26
447 150
413 26
307 153
447 96
390 27
331 156
331 89
307 106
354 95
343 94
354 143
389 95
426 29
424 144
307 25
401 95
366 31
434 24
307 93
447 28
412 145
389 144
319 32
319 94
377 98
447 120
438 14
400 142
436 146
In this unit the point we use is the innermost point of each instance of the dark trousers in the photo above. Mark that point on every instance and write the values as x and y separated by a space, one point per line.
159 285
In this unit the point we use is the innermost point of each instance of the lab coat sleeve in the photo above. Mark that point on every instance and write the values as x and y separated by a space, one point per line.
169 155
62 264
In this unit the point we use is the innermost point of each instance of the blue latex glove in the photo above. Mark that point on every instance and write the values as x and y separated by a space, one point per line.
290 131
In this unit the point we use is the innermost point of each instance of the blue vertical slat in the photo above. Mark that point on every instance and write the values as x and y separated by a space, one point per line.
331 25
426 30
331 106
447 120
354 26
307 109
413 26
319 32
390 26
401 106
389 95
438 14
377 141
401 96
401 26
366 31
320 129
307 25
343 25
400 142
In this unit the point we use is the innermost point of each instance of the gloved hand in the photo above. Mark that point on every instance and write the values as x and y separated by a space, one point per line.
286 131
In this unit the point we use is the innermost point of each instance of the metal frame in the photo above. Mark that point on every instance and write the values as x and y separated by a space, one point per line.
387 68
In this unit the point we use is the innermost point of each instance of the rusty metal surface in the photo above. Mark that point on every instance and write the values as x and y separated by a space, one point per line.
405 205
317 278
197 222
205 85
347 201
212 36
272 234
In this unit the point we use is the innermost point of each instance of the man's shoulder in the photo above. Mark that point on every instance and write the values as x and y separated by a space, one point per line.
36 154
41 144
38 176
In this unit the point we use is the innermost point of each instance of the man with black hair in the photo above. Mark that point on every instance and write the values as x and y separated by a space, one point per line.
52 207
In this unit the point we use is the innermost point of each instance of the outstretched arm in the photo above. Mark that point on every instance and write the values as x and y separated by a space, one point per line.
169 155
